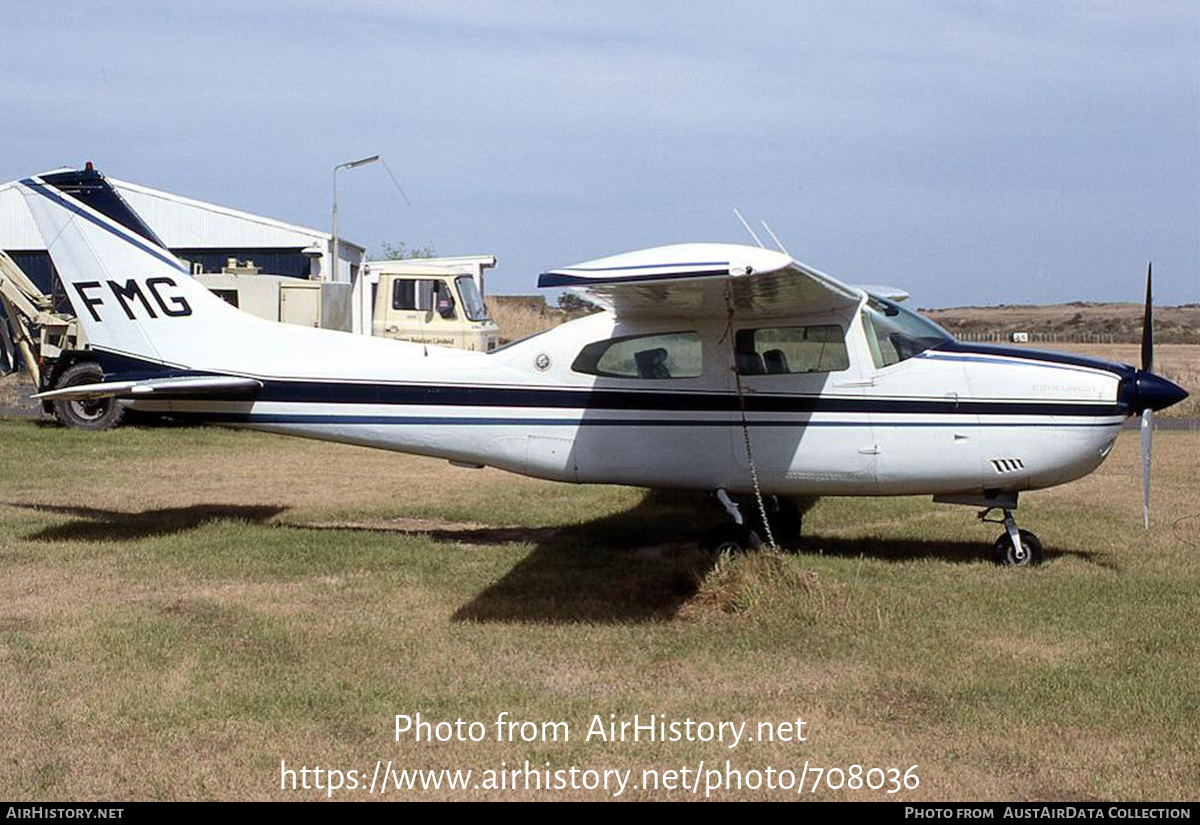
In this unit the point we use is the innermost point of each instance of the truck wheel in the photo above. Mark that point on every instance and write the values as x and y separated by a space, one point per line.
89 414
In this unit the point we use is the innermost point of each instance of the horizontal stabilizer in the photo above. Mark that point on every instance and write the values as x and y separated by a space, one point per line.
187 386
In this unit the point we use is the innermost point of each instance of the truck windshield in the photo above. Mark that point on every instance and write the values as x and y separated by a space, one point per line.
895 334
472 301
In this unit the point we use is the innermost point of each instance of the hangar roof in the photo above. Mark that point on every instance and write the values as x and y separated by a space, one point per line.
182 223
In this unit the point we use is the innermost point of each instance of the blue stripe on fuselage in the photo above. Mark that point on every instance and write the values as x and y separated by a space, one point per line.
309 391
511 421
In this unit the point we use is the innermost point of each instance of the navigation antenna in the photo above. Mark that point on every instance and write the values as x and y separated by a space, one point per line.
748 229
782 248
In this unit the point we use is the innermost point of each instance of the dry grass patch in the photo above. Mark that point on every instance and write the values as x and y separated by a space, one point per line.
160 640
519 316
13 388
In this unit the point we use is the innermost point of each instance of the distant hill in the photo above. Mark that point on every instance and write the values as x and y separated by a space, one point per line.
1078 321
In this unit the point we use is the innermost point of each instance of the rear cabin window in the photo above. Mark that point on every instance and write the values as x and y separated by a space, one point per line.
791 350
660 356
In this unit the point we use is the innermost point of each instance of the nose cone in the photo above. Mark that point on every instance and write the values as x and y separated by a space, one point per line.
1153 392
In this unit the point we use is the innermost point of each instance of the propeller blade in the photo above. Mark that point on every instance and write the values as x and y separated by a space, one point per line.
1147 437
1147 414
1148 326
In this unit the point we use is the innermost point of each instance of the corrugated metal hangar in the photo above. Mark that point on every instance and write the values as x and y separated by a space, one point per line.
204 234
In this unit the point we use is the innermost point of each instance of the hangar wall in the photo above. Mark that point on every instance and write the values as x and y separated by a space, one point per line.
201 233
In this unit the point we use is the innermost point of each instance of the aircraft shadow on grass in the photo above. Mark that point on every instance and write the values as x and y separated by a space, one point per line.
97 525
562 581
901 550
640 565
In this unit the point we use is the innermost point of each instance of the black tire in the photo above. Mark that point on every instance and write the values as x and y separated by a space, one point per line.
732 538
784 516
1004 554
98 414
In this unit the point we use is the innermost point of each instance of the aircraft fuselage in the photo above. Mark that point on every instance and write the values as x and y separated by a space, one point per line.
951 419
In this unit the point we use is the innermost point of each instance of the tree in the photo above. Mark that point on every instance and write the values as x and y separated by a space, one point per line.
399 251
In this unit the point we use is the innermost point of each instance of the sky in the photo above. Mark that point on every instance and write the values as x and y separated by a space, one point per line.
968 152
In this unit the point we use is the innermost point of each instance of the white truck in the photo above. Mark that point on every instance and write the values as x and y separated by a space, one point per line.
426 300
281 298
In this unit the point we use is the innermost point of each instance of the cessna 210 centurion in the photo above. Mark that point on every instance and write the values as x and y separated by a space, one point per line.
726 368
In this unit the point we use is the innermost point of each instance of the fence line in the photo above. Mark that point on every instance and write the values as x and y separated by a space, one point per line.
1047 337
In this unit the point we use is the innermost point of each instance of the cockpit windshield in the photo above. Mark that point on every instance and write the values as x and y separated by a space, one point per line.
895 334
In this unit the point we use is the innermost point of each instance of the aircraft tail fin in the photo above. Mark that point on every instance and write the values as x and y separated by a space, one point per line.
132 296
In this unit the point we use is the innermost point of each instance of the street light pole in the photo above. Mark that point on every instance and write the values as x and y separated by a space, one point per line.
348 165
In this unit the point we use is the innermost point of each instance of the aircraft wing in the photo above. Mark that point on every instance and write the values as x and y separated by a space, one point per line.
703 280
186 386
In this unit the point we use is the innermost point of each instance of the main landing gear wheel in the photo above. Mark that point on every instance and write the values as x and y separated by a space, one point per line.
735 536
732 538
785 517
89 413
1006 554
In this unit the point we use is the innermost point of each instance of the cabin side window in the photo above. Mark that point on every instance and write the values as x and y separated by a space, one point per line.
659 356
791 350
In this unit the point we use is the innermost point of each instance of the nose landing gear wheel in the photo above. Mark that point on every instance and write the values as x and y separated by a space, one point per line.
1007 555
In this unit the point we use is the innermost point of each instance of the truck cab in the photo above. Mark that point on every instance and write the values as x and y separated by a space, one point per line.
436 301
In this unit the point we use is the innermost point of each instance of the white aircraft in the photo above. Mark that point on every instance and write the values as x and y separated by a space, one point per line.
716 367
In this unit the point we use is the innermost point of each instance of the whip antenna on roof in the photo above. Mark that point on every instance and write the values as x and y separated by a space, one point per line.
782 248
748 229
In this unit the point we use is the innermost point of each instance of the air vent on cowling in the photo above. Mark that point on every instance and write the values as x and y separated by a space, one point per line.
1008 465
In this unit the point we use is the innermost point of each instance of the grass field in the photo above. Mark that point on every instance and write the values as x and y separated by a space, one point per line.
183 608
1077 320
